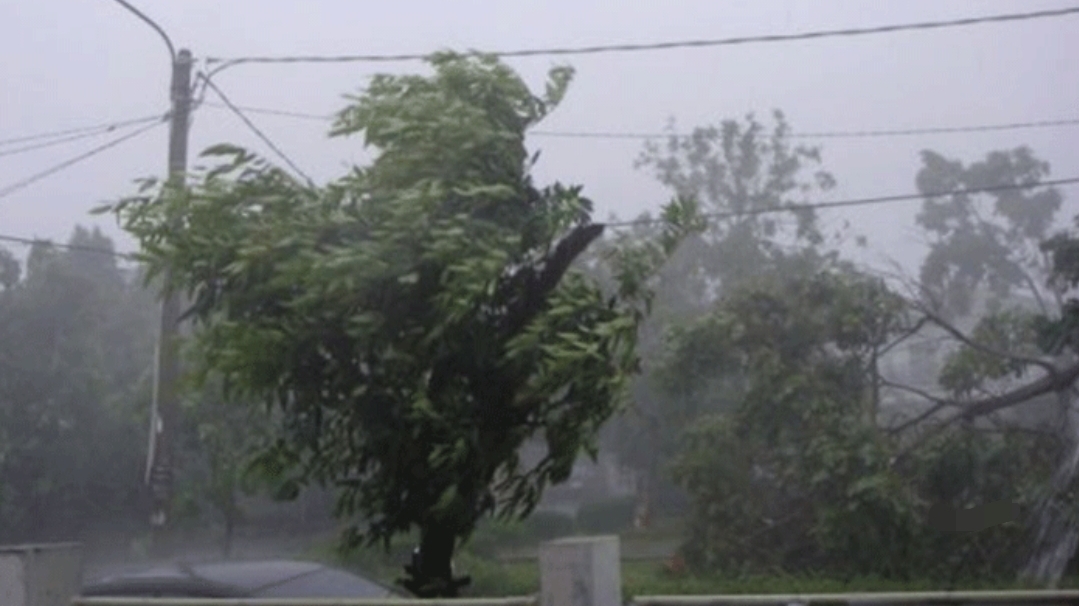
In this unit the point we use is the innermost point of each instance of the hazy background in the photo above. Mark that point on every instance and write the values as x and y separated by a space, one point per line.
68 63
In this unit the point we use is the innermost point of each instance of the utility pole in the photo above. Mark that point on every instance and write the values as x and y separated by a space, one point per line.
164 415
167 372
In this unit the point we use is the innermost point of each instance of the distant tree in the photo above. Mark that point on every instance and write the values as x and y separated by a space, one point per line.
222 438
9 269
986 281
416 320
746 172
988 242
74 361
798 474
798 356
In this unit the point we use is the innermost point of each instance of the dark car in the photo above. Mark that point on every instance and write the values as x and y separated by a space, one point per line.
234 579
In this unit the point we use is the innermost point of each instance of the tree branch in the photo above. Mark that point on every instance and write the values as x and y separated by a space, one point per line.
1057 380
939 405
1061 379
910 332
536 285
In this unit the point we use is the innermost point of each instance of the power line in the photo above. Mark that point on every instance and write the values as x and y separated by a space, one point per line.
18 185
95 129
273 112
251 125
849 134
73 247
852 134
621 48
859 201
61 140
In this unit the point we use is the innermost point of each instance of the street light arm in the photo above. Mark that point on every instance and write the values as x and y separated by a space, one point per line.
150 22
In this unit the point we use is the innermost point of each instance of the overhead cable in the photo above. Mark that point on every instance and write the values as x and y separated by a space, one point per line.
659 46
859 201
18 185
73 247
255 129
90 130
59 141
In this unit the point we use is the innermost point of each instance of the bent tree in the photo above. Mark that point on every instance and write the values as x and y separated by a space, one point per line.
416 320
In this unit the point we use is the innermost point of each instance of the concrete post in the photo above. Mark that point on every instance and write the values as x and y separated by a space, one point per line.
40 575
583 571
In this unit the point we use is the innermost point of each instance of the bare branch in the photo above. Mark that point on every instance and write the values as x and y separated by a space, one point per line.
910 332
939 404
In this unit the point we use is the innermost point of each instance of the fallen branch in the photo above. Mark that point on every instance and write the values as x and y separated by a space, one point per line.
1059 380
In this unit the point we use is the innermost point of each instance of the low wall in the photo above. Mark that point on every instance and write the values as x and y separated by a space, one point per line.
39 575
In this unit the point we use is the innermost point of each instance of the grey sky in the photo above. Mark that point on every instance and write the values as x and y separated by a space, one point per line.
69 63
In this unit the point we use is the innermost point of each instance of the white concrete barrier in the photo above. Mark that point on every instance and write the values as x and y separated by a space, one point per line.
40 575
581 571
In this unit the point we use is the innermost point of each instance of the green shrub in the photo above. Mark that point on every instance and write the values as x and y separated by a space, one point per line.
610 516
548 525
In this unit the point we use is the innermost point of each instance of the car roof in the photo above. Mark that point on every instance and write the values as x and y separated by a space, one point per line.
257 578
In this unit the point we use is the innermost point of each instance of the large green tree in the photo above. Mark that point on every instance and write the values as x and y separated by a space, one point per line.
415 320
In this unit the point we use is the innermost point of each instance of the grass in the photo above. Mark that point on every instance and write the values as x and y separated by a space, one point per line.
650 578
495 574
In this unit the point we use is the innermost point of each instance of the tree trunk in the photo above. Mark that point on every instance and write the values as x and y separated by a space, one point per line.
432 573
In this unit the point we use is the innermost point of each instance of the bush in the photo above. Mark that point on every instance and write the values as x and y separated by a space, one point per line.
548 525
610 516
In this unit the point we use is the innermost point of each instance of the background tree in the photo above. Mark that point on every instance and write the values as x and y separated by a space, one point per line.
741 172
986 243
985 286
798 437
75 345
220 439
820 481
414 321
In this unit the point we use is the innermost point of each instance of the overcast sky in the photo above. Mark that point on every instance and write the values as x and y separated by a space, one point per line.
72 63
